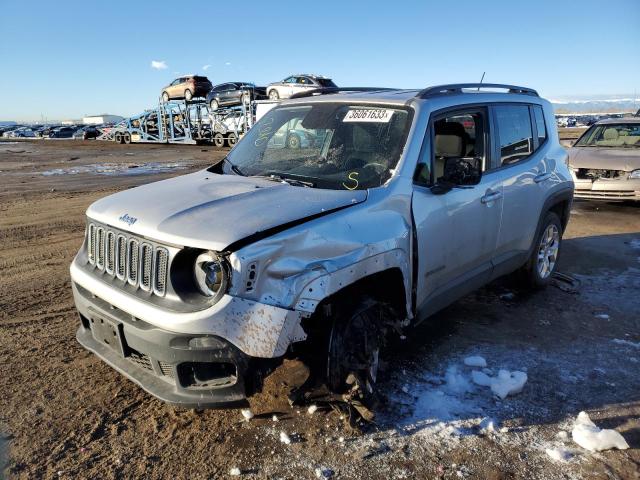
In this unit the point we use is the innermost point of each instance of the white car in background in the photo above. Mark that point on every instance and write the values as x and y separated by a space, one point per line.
297 84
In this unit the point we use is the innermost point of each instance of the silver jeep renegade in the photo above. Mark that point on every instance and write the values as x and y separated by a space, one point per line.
390 205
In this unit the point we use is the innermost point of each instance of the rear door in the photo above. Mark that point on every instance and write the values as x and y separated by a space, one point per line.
456 232
524 169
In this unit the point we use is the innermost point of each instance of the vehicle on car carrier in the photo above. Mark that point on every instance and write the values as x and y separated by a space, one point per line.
397 203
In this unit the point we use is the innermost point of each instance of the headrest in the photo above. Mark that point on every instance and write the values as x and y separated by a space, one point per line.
611 134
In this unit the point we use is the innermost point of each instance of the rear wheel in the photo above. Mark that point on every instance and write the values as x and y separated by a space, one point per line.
117 137
126 137
538 270
188 95
218 140
232 139
273 95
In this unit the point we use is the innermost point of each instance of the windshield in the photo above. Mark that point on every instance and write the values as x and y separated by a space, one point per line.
621 135
327 145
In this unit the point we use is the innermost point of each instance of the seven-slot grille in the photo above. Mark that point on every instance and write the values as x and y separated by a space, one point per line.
129 259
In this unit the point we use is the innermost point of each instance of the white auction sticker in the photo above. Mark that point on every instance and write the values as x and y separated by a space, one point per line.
378 115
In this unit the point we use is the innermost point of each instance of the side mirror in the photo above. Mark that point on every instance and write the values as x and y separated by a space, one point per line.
458 172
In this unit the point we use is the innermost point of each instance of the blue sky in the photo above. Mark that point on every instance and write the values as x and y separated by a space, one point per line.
68 58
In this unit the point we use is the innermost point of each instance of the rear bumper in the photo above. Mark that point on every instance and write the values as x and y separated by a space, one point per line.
194 371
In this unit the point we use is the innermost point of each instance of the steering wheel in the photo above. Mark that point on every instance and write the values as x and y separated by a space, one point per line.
378 167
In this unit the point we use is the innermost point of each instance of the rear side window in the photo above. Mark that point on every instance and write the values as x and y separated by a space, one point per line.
540 126
514 132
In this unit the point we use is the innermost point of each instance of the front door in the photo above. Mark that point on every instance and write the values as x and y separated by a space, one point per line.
456 232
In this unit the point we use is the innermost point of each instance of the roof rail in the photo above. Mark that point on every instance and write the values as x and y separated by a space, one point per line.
329 90
456 88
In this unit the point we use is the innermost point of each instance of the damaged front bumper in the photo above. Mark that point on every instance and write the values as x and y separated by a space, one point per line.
207 359
607 189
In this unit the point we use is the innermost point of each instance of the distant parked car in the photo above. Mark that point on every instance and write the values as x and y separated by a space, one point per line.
186 87
605 161
62 132
298 84
24 132
48 130
233 93
86 133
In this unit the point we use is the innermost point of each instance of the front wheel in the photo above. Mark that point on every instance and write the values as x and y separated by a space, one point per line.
293 141
214 105
273 95
356 342
165 97
538 270
188 95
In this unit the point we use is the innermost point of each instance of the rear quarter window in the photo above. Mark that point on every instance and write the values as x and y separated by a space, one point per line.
541 128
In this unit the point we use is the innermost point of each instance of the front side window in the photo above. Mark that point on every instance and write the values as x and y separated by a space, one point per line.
326 145
456 136
514 131
620 135
290 80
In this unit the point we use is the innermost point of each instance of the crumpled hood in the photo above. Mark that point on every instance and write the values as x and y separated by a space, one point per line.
211 211
605 158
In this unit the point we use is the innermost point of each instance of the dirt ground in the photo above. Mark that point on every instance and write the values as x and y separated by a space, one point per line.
65 414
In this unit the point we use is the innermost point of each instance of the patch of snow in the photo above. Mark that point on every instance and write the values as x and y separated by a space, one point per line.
312 409
475 361
588 436
559 454
284 438
504 384
247 414
275 418
635 243
626 343
489 425
602 316
235 472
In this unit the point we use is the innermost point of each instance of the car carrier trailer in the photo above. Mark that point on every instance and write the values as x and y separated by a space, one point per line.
188 122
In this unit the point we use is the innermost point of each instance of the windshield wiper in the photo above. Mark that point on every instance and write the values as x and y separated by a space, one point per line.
234 168
281 177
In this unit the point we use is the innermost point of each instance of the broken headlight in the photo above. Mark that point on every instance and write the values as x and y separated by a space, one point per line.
635 174
211 274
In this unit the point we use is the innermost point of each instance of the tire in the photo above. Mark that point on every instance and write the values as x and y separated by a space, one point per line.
274 95
165 97
293 142
126 138
188 95
218 140
214 104
117 137
355 344
232 139
538 270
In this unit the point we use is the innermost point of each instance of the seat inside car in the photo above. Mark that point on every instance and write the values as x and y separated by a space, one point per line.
450 141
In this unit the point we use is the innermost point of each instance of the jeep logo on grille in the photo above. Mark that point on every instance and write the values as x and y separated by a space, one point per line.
127 219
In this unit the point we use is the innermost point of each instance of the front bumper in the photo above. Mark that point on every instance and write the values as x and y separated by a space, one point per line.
605 189
193 371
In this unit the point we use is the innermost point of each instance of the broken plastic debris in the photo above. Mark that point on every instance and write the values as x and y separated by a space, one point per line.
405 389
559 454
235 472
322 472
505 384
275 418
475 361
247 414
588 436
312 409
284 438
507 296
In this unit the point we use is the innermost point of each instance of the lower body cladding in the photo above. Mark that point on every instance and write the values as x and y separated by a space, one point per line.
194 370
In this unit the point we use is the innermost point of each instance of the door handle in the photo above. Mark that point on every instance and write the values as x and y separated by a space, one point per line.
542 177
491 197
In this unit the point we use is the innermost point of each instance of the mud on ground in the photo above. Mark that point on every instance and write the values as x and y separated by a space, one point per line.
65 414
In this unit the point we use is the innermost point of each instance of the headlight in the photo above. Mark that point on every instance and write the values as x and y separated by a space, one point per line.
635 174
211 274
